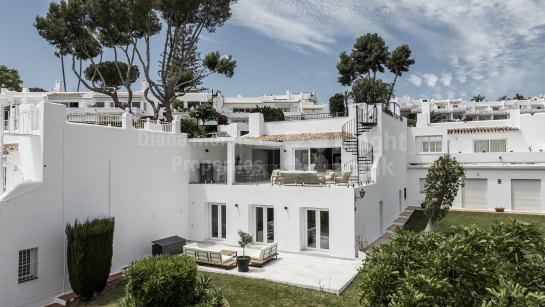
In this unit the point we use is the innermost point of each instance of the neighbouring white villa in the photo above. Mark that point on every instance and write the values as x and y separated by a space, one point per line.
319 186
236 108
459 109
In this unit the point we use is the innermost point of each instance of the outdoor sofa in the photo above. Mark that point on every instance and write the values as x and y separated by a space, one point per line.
210 257
299 177
263 255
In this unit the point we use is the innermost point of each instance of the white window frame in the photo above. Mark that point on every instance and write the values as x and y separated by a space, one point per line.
28 265
429 143
318 229
265 224
422 185
221 208
488 143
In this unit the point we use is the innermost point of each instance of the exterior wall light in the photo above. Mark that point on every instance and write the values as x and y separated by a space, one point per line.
236 205
362 193
285 208
206 150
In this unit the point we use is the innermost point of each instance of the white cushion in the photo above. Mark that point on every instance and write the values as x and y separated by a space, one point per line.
226 258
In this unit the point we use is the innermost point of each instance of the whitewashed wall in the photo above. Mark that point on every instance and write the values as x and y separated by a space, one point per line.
289 225
90 172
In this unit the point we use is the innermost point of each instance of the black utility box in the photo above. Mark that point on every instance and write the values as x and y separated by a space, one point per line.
170 245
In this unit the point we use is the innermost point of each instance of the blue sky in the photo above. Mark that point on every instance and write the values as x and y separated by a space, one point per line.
461 48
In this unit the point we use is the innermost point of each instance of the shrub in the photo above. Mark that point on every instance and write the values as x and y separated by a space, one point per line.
223 120
464 267
269 114
189 126
89 255
165 280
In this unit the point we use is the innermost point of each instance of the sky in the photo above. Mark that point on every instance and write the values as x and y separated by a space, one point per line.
461 47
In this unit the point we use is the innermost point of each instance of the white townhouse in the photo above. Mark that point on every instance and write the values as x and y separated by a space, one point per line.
236 108
156 182
504 159
459 110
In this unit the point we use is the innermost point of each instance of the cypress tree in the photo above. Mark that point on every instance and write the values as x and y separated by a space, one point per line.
89 255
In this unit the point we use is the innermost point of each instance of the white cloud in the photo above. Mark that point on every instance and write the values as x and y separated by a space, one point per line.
476 40
415 80
446 79
430 79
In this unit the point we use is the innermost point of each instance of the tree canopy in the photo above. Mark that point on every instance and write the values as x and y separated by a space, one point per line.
464 267
518 97
443 180
336 104
93 30
204 112
106 74
10 79
368 57
270 114
478 98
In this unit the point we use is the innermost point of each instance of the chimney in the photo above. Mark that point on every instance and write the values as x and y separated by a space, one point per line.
145 85
57 88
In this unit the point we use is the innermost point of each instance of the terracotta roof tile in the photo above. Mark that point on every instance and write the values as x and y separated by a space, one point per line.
299 137
10 148
468 130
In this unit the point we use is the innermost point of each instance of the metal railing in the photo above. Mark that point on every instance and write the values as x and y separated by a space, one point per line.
304 116
12 178
152 125
23 122
95 119
392 109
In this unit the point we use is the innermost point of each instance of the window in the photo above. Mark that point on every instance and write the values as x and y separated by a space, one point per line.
218 221
71 104
429 143
99 105
28 264
136 104
489 146
422 182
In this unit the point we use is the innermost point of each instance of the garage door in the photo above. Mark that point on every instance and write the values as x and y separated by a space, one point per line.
475 194
526 195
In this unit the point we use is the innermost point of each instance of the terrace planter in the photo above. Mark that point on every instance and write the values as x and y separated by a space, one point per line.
243 263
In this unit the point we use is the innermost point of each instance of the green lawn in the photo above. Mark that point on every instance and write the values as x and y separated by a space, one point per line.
483 220
241 291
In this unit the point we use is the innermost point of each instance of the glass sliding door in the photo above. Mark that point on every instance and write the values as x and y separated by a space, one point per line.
301 159
270 225
324 229
264 224
317 229
259 224
218 221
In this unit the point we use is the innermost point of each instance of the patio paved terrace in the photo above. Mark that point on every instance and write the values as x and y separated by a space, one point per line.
304 270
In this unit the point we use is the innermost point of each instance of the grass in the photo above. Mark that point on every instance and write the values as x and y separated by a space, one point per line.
242 291
483 220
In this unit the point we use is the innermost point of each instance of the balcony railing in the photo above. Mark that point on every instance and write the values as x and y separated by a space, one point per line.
98 119
23 122
304 116
151 125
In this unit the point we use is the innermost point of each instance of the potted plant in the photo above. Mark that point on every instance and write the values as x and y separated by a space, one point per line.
243 262
500 209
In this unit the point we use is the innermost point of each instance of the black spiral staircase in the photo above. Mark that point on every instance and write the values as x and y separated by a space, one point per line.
365 120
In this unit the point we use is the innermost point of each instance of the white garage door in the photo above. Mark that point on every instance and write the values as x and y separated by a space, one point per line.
474 194
526 194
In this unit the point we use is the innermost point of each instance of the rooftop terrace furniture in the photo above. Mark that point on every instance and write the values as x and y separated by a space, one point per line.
210 257
342 177
265 254
170 245
300 177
